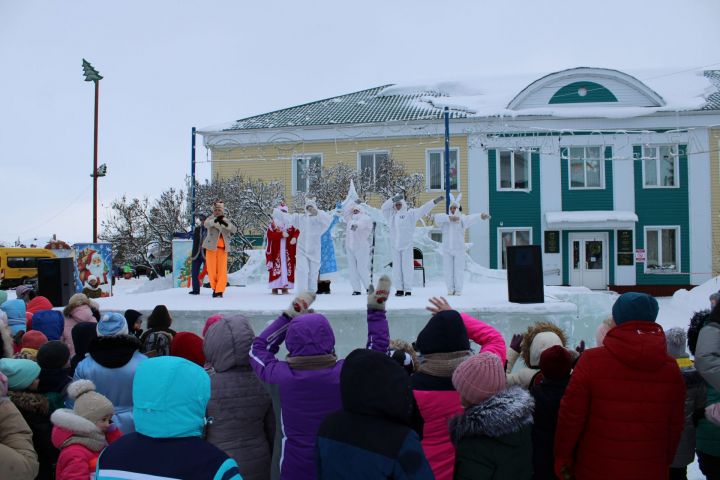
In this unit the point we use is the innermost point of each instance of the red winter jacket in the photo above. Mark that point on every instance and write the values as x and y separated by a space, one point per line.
623 412
76 462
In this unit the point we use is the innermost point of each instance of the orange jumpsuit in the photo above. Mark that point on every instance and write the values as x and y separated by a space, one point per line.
216 262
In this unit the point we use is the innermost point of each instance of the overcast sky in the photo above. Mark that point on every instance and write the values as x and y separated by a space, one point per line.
172 65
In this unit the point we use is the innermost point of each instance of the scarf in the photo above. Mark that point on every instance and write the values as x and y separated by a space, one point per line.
442 364
312 362
94 440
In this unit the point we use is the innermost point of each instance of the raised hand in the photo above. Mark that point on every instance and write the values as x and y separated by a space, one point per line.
377 297
300 304
438 304
439 199
516 342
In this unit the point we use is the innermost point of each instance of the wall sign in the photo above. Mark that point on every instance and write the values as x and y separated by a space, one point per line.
640 255
552 241
625 247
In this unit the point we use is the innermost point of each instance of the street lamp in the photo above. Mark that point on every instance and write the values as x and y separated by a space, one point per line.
92 75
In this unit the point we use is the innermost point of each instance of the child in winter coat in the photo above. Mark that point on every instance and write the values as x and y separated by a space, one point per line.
377 404
134 321
243 420
540 336
157 339
18 459
493 435
676 340
23 381
83 335
49 322
83 432
30 344
78 310
55 375
555 366
442 345
309 381
15 311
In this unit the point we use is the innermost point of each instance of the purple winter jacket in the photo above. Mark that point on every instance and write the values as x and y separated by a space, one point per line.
306 396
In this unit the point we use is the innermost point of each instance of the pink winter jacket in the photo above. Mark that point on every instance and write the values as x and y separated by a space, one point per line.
80 314
439 402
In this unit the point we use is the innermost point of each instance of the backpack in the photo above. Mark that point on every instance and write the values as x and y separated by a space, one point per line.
156 343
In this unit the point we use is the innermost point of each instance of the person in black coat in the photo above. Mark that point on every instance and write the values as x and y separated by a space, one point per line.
373 435
198 254
555 366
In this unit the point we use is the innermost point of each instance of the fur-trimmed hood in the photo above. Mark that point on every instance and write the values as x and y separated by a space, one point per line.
68 425
113 351
77 300
30 402
507 412
531 352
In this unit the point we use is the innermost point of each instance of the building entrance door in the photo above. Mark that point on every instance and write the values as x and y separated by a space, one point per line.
589 260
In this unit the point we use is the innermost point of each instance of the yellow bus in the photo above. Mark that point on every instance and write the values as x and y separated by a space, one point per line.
19 265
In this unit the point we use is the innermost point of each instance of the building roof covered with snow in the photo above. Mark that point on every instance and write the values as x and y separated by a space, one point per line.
581 92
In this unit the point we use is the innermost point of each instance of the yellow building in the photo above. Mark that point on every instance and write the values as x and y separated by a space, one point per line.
279 146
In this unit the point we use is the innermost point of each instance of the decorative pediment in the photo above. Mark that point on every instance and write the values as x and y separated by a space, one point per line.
583 86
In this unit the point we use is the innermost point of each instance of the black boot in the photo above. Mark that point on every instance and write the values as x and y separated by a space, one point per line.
356 293
407 294
399 293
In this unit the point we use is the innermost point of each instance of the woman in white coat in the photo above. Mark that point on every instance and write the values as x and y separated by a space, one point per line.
453 228
359 226
401 221
312 224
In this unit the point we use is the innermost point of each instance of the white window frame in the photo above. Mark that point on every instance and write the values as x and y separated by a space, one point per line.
678 250
373 153
294 160
674 148
512 171
502 230
442 170
585 157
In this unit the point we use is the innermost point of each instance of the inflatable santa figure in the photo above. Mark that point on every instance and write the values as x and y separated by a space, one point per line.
280 254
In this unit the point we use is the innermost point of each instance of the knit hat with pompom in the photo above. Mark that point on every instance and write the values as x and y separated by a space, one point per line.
88 403
479 378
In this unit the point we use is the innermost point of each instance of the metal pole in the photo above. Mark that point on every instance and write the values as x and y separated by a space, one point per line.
95 161
192 181
447 160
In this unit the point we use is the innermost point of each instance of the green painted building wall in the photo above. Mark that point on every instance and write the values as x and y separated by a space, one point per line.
590 199
663 207
513 209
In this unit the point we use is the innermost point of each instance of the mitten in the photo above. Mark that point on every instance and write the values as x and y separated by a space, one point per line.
516 341
454 218
484 216
224 223
293 241
437 200
285 234
378 297
217 220
300 304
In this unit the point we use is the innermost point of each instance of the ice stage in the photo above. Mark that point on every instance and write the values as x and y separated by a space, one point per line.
577 310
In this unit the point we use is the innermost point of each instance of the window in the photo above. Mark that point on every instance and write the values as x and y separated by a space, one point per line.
436 236
372 163
302 167
586 167
514 170
15 262
662 250
435 169
660 166
512 237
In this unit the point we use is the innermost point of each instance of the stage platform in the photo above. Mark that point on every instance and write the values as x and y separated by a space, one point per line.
577 310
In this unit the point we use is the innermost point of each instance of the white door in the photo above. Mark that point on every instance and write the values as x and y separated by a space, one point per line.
589 260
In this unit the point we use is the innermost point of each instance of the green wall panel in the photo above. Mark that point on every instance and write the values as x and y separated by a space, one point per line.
513 209
595 199
663 207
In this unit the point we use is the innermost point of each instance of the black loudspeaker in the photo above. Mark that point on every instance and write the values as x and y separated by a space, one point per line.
56 280
525 274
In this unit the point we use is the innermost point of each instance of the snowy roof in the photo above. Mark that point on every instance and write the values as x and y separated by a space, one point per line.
644 93
591 219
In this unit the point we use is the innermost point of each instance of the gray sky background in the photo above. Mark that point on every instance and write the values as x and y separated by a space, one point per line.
171 65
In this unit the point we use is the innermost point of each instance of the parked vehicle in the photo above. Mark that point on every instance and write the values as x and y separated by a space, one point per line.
19 265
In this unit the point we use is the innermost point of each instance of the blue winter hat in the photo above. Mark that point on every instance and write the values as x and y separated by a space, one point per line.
49 322
19 372
112 323
635 306
15 310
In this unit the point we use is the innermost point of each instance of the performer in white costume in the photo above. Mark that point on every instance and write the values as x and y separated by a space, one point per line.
453 228
401 221
312 224
357 245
